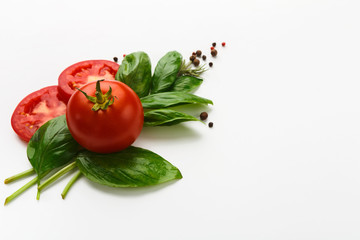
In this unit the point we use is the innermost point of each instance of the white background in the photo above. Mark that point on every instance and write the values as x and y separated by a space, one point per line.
282 161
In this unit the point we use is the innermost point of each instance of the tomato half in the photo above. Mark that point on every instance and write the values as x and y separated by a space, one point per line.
36 109
81 73
111 129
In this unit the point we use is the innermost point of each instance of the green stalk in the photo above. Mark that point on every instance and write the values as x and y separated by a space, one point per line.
21 190
19 176
71 182
38 195
57 175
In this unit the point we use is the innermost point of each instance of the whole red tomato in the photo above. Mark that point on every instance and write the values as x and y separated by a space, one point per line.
105 116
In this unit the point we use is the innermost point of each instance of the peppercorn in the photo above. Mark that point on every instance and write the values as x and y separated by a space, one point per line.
214 44
196 62
194 53
198 53
211 124
116 59
124 55
223 44
204 57
212 48
213 52
192 58
210 64
203 115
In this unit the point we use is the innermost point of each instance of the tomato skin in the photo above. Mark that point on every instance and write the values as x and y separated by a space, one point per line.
110 130
82 73
36 109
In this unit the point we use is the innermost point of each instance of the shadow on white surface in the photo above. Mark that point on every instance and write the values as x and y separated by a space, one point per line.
169 132
129 192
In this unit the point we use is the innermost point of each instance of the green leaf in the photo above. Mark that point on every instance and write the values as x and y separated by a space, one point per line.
132 167
51 146
186 84
168 99
165 117
135 71
166 72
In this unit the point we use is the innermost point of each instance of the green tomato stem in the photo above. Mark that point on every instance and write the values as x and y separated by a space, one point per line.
101 101
21 190
57 175
19 176
70 183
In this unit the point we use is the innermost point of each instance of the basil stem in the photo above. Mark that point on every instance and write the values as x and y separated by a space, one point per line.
19 176
21 190
70 183
57 175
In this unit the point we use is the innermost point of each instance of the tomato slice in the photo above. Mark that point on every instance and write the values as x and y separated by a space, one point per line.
36 109
81 73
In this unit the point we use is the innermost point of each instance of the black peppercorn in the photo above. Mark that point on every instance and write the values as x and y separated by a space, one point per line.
213 52
194 53
198 53
196 62
204 57
203 115
210 64
211 124
115 59
214 44
192 58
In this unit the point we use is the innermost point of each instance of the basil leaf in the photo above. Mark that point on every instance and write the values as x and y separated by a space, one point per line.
135 71
165 117
166 72
186 84
132 167
51 146
168 99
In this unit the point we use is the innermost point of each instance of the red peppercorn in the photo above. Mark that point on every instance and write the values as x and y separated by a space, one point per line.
212 48
223 44
124 55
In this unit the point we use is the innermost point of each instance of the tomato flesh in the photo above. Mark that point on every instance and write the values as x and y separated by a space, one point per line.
84 72
109 130
36 109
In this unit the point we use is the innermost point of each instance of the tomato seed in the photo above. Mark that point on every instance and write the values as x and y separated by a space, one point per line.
211 124
198 53
203 115
223 44
196 62
116 59
214 44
